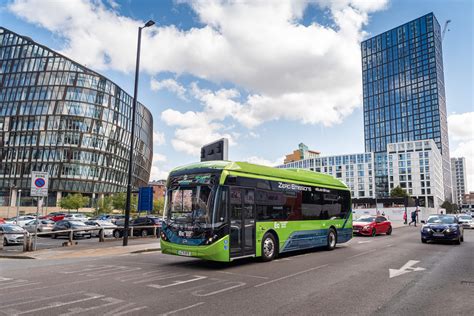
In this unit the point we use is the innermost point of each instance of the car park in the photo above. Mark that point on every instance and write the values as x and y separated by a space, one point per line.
76 217
13 234
141 226
20 221
64 225
44 225
108 227
442 228
466 221
372 226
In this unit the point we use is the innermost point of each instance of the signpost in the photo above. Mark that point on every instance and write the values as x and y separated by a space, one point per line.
39 188
145 199
217 150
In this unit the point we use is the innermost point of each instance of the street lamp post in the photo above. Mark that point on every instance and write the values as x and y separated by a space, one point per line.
18 206
10 199
132 136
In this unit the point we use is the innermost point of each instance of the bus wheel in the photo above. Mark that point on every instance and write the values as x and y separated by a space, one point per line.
331 239
269 248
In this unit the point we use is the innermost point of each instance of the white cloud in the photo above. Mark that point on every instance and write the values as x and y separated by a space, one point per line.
265 162
461 132
170 85
158 138
284 69
158 171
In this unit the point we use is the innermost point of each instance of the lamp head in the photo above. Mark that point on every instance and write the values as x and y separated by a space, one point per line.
149 23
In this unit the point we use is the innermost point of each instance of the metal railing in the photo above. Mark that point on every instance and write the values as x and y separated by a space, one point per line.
28 238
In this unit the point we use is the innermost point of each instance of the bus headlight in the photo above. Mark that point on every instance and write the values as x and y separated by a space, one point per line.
163 236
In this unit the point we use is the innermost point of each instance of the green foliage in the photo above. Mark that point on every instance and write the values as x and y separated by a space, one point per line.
449 207
104 205
74 202
119 201
398 192
158 206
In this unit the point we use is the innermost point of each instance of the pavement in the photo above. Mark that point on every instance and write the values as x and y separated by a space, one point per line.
382 275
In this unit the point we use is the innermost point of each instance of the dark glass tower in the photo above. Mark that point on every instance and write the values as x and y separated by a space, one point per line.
403 90
63 118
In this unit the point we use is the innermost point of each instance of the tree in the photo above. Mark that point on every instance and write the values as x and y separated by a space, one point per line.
119 201
449 207
104 205
398 192
74 202
158 206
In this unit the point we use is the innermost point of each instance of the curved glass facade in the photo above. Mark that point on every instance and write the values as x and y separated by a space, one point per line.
63 118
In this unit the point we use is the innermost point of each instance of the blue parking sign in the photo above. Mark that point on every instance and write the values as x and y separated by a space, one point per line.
145 199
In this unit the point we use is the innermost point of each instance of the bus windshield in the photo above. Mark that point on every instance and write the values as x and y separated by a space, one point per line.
190 204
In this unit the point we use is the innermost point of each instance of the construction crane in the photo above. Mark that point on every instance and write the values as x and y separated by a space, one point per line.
445 28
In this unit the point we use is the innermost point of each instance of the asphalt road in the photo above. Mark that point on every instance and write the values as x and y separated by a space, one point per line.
353 279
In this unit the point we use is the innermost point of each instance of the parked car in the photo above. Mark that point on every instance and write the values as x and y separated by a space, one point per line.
116 217
108 227
20 221
466 221
66 225
102 217
56 216
44 225
2 220
138 230
76 217
16 234
372 226
442 228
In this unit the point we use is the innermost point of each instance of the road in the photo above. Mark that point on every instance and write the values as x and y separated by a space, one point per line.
353 279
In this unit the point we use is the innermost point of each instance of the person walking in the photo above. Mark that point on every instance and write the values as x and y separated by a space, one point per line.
405 218
413 218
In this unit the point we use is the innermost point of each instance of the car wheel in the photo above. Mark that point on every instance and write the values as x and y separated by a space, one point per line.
423 240
144 233
462 238
269 247
374 232
54 236
458 241
389 231
117 234
331 240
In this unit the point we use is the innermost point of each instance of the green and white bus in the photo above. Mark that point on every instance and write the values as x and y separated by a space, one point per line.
222 211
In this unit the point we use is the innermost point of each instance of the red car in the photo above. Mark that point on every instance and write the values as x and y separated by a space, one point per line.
2 221
372 225
55 216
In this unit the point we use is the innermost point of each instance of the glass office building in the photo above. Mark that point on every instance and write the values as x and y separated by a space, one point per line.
403 93
63 118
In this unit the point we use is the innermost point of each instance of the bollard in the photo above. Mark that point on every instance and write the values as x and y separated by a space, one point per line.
26 243
1 241
131 231
71 236
154 231
101 235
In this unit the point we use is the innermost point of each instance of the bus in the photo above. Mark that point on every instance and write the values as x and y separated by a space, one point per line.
222 211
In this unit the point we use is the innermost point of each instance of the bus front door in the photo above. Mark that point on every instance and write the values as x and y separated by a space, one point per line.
242 222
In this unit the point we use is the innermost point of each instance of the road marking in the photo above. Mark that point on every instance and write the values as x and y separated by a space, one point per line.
182 309
361 254
39 299
237 284
291 275
364 242
240 274
109 302
389 245
406 268
196 278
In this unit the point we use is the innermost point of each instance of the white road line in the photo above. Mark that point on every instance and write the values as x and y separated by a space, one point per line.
182 309
362 253
57 304
196 278
131 310
161 277
291 275
52 286
240 274
19 285
238 284
39 299
109 302
389 245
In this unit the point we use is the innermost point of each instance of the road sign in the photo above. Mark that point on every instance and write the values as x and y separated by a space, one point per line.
217 150
145 199
407 267
39 183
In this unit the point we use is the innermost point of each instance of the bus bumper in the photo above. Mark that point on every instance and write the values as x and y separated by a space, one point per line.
217 251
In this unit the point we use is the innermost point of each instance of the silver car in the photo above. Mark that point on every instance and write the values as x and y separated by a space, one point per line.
12 234
44 225
108 227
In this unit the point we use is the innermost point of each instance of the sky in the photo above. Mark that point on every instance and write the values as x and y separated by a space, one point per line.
268 75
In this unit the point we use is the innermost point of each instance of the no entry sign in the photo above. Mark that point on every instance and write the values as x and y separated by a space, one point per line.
39 183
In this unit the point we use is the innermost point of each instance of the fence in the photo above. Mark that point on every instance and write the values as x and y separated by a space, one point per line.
29 238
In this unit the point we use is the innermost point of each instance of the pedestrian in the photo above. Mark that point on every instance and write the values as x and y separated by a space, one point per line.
405 217
413 218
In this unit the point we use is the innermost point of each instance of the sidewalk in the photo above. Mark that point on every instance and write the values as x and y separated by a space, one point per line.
113 248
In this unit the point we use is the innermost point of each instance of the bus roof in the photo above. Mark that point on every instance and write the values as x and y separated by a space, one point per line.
295 175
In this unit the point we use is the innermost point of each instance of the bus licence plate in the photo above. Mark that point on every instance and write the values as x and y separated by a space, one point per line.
184 253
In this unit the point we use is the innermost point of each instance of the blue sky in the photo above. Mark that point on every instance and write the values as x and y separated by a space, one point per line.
268 74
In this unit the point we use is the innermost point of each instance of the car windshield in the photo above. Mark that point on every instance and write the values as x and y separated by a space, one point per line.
366 219
441 220
465 217
8 228
190 204
77 223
